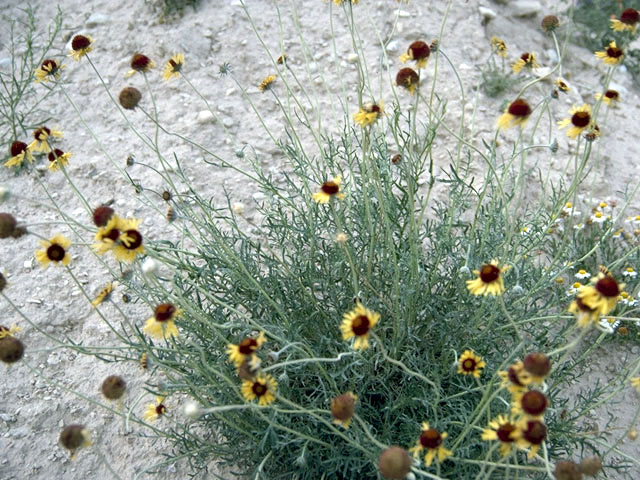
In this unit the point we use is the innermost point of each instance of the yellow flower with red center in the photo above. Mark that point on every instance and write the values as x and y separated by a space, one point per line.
527 60
408 78
54 250
489 280
328 190
628 21
504 429
58 159
246 349
530 404
562 85
612 55
531 434
585 315
368 114
610 97
140 63
129 244
498 46
432 441
80 46
48 71
357 324
580 120
471 364
173 67
602 296
262 387
162 324
635 383
41 137
419 52
516 114
155 410
19 151
9 332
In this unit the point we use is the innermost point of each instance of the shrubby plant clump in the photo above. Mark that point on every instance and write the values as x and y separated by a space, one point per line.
364 327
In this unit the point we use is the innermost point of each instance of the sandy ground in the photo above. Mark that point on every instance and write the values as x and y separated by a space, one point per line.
34 408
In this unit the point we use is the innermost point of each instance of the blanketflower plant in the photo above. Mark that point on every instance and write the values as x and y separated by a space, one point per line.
358 324
489 280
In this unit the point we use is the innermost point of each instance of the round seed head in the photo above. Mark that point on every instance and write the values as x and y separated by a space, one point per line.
534 402
489 273
406 77
550 23
519 108
129 97
79 42
430 438
73 437
630 16
7 225
11 349
591 466
343 407
567 470
537 364
394 463
166 195
113 387
140 62
102 215
419 50
535 432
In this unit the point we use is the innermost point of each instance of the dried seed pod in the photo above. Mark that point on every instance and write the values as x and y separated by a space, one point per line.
537 364
11 349
394 463
113 387
7 225
74 437
102 215
591 466
567 470
129 97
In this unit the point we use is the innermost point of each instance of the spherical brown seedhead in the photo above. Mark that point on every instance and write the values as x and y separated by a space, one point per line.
535 432
550 23
489 273
7 225
17 148
113 387
630 16
140 62
419 50
406 77
129 97
245 372
519 108
11 349
394 463
79 42
567 470
166 195
343 407
534 402
608 287
72 437
590 466
537 364
102 215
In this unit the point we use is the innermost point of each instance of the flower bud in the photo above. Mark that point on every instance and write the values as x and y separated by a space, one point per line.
537 364
550 23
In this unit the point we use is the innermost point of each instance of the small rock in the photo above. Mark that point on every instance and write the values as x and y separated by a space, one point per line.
227 122
402 13
259 196
392 46
96 19
204 116
487 14
352 58
5 63
526 8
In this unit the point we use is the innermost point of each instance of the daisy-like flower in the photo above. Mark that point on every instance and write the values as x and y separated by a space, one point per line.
602 296
610 97
262 387
18 151
471 364
635 383
516 114
358 323
9 332
526 60
598 217
408 78
628 21
432 441
578 226
162 324
368 114
503 429
140 63
562 85
585 315
54 250
246 349
342 408
498 46
489 281
329 189
574 288
531 404
266 83
173 67
155 410
608 325
108 234
80 46
582 274
531 434
580 120
49 70
612 55
103 294
58 159
75 437
419 52
635 219
629 272
41 137
129 243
